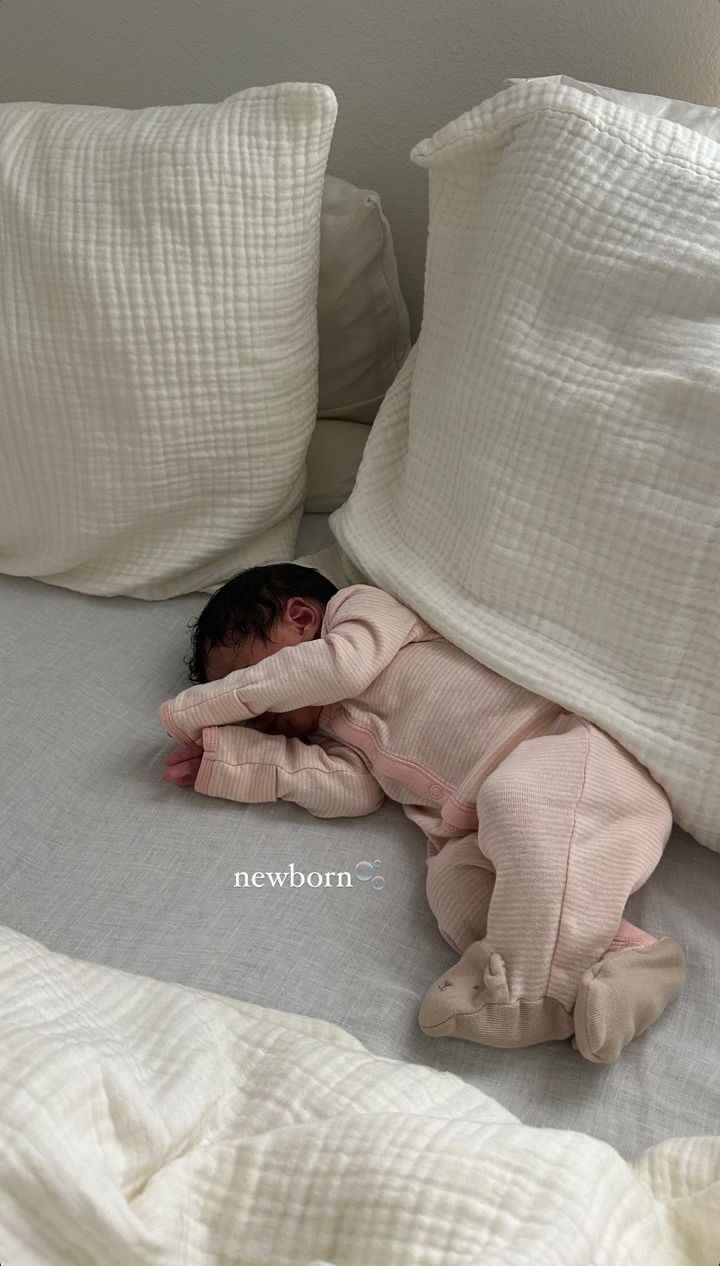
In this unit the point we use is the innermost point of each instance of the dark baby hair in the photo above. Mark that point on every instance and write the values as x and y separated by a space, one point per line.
249 604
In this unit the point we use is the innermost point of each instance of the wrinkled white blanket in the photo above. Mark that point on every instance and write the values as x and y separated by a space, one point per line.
147 1124
541 482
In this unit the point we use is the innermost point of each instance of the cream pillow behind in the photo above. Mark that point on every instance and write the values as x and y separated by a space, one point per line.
158 336
333 458
364 336
363 321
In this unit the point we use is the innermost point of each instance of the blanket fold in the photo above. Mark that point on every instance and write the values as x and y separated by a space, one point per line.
147 1123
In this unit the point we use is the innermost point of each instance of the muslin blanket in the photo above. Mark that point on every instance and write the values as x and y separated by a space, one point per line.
541 482
147 1124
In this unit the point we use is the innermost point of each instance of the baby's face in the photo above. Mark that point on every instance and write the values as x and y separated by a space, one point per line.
298 624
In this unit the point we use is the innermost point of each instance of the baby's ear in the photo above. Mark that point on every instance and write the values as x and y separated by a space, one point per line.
302 614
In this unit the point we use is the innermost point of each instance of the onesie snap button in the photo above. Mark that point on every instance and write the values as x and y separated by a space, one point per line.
435 789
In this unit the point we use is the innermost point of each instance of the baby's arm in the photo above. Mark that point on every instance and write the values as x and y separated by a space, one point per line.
326 778
364 630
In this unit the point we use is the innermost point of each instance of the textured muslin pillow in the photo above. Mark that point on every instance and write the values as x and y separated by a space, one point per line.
541 480
699 118
158 336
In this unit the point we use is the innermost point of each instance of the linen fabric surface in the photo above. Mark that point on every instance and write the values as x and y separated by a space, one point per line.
103 860
157 1124
158 336
540 483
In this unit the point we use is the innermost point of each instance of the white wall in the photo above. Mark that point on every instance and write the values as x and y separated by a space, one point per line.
400 69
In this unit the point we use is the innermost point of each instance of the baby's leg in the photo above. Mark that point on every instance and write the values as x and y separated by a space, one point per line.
459 884
572 825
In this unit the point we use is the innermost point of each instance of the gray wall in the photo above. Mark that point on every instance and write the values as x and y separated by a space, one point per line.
399 69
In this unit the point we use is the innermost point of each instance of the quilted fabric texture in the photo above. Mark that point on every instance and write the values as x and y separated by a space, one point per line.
698 118
145 1122
540 483
158 336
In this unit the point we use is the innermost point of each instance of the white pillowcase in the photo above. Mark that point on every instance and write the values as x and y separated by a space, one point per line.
699 118
158 336
541 480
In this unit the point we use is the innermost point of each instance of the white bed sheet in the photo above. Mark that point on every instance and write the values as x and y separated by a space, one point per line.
104 861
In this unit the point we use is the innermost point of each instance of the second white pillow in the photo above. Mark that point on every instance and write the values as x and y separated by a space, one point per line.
159 350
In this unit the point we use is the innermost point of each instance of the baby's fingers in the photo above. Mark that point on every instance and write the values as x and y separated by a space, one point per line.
182 772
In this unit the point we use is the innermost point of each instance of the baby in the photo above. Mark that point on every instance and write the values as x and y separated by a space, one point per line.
539 826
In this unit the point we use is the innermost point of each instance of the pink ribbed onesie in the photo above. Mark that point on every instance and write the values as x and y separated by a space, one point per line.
539 826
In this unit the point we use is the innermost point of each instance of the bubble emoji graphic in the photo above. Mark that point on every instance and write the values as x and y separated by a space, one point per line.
365 872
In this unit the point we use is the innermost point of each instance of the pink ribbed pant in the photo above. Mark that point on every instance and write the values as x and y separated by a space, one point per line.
570 824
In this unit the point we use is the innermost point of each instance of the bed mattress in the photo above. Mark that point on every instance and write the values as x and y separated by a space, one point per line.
104 861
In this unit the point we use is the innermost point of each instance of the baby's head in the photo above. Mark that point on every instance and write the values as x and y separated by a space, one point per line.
255 614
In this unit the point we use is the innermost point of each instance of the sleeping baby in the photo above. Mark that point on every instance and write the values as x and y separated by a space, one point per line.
538 825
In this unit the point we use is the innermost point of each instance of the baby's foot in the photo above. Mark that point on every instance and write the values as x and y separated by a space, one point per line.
622 994
472 1001
477 977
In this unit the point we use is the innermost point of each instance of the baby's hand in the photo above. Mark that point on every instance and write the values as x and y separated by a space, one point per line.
183 764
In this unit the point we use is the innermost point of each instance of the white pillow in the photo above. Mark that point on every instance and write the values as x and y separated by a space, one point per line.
541 480
699 118
158 336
